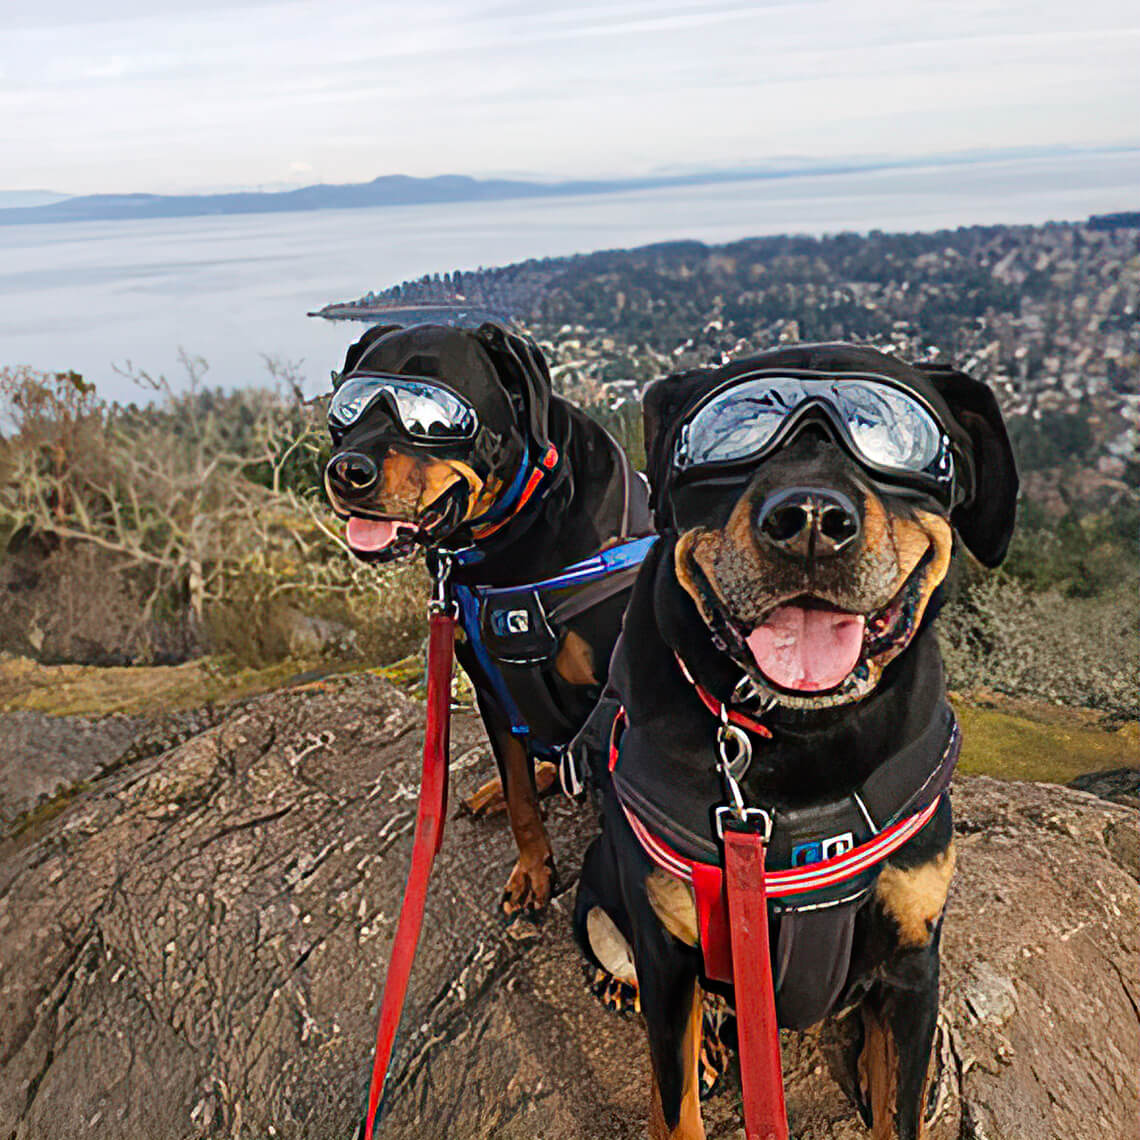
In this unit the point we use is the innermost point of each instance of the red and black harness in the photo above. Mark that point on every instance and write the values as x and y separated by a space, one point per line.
805 870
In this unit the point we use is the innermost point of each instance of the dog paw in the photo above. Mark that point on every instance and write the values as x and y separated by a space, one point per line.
530 887
614 994
489 799
718 1026
484 801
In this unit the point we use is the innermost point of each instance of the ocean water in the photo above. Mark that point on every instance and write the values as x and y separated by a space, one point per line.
95 295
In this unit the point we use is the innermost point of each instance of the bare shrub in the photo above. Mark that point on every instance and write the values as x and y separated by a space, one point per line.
1048 646
205 507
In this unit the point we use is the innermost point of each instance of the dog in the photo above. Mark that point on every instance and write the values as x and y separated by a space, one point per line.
810 500
447 437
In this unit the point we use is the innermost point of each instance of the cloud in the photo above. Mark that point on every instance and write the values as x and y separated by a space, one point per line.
166 94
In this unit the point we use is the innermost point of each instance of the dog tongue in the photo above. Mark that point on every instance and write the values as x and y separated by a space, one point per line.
371 534
804 649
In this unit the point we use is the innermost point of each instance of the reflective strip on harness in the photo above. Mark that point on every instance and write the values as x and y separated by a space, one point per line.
707 880
800 879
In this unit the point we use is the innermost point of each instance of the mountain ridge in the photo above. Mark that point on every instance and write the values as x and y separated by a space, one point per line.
385 190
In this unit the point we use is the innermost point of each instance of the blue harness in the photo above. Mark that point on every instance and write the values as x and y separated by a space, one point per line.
513 624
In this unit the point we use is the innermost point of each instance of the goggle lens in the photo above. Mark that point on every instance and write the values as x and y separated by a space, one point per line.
885 427
425 410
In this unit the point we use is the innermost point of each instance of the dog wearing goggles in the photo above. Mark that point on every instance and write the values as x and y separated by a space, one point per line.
809 500
446 437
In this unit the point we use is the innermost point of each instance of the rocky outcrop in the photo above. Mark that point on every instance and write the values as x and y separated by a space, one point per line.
193 947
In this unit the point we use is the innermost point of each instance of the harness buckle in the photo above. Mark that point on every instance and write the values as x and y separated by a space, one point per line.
730 818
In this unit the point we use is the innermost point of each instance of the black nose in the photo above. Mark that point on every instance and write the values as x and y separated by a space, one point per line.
352 473
809 522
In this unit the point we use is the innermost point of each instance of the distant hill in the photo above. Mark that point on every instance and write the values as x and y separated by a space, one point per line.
389 190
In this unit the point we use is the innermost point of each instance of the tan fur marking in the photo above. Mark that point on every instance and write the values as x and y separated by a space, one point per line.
938 536
401 483
914 898
575 660
409 485
610 947
700 546
530 882
438 477
876 524
878 1072
673 902
690 1126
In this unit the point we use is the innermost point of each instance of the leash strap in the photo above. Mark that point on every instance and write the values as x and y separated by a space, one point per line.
430 817
761 1074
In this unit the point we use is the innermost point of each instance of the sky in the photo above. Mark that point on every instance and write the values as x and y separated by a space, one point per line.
174 95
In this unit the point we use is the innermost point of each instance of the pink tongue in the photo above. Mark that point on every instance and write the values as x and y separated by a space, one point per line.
806 649
371 534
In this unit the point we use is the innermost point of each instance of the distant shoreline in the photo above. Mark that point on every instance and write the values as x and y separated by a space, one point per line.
403 190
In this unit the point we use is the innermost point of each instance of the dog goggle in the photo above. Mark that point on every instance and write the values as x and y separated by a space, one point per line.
887 430
424 409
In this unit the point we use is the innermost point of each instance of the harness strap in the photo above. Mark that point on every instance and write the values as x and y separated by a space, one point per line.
758 1032
430 816
595 579
797 880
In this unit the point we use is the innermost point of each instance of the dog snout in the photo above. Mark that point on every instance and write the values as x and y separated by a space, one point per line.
352 473
808 522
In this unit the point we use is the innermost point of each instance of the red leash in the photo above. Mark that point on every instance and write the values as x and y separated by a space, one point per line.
758 1034
429 835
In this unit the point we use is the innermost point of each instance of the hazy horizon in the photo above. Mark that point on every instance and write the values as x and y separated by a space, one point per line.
788 165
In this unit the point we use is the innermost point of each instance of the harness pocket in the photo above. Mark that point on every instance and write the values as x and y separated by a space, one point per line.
515 628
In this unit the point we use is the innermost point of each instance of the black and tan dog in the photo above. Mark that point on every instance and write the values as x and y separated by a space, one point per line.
449 437
808 500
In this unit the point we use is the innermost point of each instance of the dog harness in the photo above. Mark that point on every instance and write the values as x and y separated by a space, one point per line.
514 632
821 861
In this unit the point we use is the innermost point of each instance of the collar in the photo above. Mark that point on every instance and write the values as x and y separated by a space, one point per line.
724 713
518 495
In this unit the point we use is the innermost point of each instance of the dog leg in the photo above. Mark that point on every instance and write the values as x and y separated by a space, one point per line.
899 1024
531 883
675 1096
671 1002
913 1017
489 799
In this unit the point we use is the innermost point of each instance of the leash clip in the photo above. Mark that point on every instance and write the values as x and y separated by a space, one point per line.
735 748
441 601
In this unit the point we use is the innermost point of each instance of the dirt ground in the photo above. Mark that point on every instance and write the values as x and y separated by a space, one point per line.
194 937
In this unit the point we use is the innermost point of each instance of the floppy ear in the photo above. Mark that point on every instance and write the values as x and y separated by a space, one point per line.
522 368
661 406
985 518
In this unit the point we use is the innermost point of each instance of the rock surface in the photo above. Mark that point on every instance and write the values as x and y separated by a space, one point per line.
193 947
